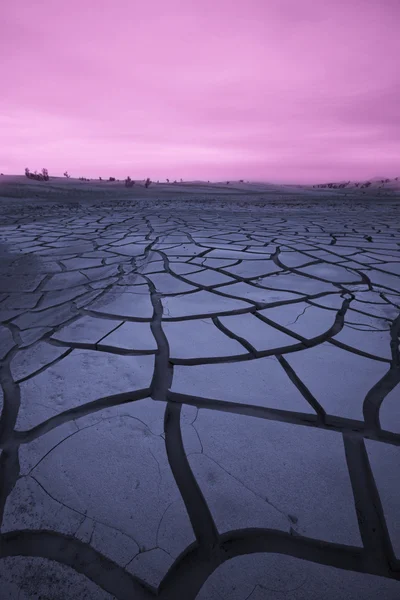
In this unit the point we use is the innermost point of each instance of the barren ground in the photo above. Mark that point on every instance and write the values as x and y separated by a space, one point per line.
200 392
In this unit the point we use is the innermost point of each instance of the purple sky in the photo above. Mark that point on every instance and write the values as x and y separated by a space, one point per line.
269 90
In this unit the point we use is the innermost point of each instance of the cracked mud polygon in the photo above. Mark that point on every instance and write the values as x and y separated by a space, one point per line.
200 402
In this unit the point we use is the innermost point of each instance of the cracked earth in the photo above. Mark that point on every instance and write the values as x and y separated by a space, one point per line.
199 404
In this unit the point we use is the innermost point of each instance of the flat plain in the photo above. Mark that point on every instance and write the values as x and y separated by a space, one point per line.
200 392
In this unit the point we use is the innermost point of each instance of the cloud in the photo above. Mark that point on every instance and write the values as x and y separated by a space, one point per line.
285 87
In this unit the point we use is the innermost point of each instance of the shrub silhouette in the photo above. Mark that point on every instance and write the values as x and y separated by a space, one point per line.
129 182
147 182
66 174
111 179
43 176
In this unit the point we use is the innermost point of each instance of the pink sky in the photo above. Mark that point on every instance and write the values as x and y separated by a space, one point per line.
269 90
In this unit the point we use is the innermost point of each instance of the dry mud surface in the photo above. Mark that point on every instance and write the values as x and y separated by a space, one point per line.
200 401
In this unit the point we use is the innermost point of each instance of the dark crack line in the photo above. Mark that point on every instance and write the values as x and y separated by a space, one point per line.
98 347
11 403
44 368
332 422
305 392
24 437
188 574
376 395
234 336
9 473
199 514
371 520
357 351
81 557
